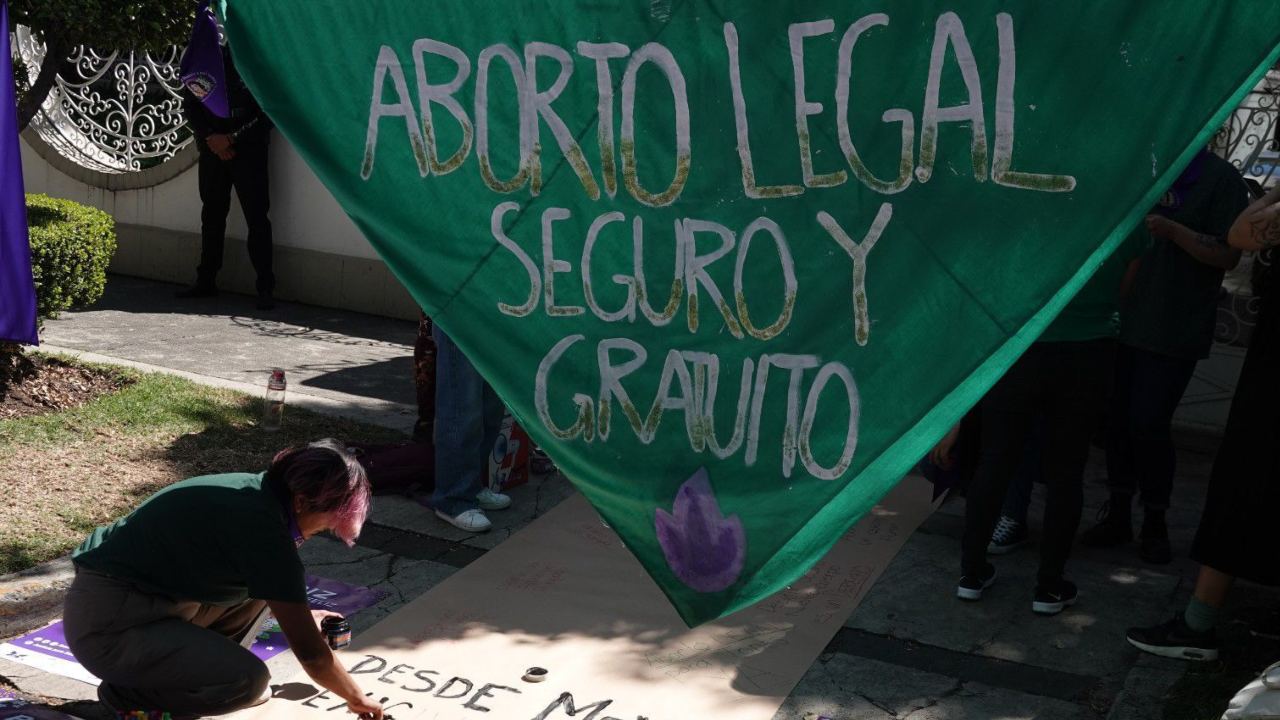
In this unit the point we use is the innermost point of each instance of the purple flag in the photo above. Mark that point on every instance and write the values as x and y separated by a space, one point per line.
17 288
202 70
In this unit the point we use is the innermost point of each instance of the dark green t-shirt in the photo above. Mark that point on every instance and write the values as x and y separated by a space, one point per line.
1094 313
1173 305
218 540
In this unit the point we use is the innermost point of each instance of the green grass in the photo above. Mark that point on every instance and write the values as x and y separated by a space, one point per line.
64 473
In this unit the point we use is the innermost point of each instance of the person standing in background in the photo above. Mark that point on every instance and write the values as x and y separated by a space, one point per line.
1167 323
233 154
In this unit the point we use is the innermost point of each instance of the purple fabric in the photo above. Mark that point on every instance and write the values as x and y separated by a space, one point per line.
202 71
17 288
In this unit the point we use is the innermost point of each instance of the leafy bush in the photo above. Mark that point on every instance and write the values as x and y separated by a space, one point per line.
71 245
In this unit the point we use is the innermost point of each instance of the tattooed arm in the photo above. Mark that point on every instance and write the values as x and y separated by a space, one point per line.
1205 248
1258 228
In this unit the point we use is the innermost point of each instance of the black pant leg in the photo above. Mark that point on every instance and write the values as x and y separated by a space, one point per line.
1159 384
253 189
1121 475
1006 415
215 180
1078 382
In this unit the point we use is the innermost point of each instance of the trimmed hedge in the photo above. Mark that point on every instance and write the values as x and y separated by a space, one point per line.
71 246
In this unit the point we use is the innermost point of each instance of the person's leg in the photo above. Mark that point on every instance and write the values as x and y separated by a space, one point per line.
460 429
1116 523
1160 382
253 189
1078 383
151 659
1011 530
492 414
1006 414
1029 473
1191 634
214 177
424 380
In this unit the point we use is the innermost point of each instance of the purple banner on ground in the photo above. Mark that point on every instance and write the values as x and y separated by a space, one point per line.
322 594
49 640
17 288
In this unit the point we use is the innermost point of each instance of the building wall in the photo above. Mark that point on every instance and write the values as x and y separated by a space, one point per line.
321 257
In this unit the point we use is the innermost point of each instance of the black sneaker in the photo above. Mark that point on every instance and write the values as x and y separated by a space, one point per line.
971 586
1053 599
1174 639
197 291
1009 535
1113 529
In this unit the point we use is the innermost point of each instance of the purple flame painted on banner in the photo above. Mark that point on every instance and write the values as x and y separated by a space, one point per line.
705 549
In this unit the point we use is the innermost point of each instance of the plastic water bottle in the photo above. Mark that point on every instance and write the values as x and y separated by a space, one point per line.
273 412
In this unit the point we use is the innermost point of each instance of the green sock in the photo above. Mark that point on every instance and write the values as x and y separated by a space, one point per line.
1200 617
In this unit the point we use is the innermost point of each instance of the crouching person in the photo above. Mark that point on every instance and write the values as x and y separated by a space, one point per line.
167 599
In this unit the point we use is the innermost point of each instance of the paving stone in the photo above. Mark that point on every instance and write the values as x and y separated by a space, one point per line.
33 597
975 701
528 502
915 599
31 682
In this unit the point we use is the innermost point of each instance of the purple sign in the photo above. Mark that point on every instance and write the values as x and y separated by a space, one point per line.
322 594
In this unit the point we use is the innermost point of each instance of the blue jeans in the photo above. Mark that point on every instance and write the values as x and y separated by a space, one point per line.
468 418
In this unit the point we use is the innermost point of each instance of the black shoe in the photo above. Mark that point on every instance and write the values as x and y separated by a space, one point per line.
197 291
1156 550
265 301
1008 536
971 586
1053 599
1174 639
1114 528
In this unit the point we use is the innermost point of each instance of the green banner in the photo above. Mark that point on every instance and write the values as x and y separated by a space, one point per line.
737 266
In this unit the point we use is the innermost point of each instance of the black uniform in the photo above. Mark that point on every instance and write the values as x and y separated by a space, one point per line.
250 130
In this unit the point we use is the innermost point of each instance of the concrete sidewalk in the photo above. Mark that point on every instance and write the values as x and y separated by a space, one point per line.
911 650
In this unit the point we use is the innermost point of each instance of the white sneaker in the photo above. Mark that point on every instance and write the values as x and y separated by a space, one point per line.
469 520
490 500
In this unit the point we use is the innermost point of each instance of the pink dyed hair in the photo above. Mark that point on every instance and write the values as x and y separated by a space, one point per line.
328 479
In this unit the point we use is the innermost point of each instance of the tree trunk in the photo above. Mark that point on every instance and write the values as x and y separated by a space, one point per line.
54 57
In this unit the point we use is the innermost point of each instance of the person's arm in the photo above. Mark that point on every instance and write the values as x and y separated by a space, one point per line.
317 659
198 119
1258 227
1204 248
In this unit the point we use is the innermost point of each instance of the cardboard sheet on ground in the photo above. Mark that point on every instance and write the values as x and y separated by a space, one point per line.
46 649
566 596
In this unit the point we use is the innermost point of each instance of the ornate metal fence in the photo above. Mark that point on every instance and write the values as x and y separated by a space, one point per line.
111 112
1249 138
